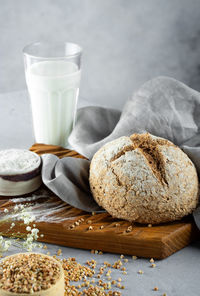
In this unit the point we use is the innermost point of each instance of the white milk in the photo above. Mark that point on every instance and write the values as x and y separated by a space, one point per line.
53 87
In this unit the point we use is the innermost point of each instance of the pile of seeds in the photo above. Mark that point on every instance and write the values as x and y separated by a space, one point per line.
76 272
96 281
28 273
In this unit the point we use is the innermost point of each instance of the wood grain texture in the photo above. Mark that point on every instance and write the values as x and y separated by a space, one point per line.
55 218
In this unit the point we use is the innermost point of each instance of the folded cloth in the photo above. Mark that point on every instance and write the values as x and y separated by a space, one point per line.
163 107
68 178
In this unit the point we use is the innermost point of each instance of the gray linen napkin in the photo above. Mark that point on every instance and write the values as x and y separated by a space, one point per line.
68 179
163 107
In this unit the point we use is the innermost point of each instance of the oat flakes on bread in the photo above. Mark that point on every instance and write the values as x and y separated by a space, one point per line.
145 179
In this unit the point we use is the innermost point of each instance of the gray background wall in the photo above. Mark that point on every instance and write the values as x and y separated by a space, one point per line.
126 42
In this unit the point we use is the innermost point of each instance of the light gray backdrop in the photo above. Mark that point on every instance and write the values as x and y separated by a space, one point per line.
126 42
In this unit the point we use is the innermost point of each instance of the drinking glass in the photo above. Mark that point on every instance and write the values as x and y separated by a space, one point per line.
53 74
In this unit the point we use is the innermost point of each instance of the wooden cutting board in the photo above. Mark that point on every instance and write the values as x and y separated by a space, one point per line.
64 225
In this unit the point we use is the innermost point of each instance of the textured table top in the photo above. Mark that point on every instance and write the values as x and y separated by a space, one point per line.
177 275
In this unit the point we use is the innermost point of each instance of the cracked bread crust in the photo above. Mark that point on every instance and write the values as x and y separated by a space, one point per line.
145 179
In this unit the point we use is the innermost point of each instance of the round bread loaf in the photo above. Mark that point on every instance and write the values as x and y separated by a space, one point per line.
145 179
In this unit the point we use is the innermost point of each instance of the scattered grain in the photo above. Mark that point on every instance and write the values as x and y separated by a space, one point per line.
113 282
107 264
129 229
155 288
134 257
59 252
117 264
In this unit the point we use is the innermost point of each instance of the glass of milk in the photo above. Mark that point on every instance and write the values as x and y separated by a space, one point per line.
53 77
